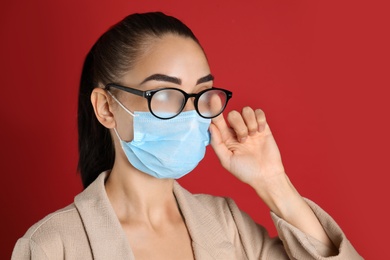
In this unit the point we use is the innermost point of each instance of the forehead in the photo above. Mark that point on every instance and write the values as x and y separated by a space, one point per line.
172 55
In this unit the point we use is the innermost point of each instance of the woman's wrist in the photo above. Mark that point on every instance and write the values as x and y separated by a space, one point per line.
279 195
284 200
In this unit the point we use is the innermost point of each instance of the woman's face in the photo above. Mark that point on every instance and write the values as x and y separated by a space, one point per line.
183 64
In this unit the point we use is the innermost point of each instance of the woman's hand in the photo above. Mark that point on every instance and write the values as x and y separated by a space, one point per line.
246 147
248 150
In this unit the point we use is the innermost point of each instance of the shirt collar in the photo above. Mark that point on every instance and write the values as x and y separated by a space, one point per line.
108 240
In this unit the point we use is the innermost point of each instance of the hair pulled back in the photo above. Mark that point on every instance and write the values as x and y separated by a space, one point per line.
114 53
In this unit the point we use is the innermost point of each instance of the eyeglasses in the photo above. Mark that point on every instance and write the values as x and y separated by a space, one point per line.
166 103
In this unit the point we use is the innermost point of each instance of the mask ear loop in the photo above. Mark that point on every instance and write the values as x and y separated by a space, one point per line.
128 111
119 103
117 134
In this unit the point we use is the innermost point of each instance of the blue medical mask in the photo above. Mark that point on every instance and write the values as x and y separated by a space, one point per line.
166 148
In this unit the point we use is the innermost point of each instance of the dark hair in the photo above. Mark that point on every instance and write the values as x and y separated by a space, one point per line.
114 53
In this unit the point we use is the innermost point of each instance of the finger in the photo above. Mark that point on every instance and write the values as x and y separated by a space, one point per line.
261 120
214 103
250 120
219 146
238 125
223 128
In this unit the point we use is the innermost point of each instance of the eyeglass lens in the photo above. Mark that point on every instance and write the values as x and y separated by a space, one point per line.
168 103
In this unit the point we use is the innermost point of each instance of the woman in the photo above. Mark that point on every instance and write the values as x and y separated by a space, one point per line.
147 110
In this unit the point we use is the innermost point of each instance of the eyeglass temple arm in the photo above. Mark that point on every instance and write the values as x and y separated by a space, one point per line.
130 90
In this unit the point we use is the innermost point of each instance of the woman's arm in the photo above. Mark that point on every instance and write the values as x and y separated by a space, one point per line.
246 147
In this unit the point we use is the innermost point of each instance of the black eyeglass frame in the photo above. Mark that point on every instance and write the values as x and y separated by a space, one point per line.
148 94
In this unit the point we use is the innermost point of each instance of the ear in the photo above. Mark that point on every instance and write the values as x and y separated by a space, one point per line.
102 108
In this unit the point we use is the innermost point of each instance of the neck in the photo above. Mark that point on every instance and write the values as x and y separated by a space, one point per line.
135 195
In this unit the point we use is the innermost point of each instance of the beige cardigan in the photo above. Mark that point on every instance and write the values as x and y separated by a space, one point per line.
89 229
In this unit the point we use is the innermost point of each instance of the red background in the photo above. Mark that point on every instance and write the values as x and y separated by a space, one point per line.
319 69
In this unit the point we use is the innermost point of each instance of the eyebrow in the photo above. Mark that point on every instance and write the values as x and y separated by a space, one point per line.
175 80
205 79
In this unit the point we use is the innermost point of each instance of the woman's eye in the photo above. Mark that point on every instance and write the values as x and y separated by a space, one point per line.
162 96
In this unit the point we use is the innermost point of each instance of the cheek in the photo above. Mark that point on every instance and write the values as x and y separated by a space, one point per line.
124 126
124 121
135 103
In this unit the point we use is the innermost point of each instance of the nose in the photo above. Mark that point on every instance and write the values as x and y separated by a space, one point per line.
190 104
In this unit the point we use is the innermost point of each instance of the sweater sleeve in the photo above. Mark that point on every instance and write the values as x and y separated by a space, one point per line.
291 243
